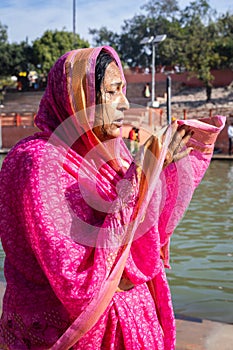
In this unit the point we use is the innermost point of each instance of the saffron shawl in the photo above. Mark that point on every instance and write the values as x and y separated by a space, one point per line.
75 219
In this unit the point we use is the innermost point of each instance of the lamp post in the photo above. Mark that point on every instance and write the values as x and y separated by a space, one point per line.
169 112
74 22
154 41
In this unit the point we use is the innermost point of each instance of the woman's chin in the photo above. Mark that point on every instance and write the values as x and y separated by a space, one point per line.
114 132
108 133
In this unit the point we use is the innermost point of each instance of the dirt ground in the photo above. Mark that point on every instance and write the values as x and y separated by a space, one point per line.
194 102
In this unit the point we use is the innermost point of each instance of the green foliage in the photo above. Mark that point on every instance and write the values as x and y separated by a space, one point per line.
198 40
162 8
6 81
196 12
40 56
20 58
4 50
129 47
224 42
3 34
52 45
103 36
13 57
200 33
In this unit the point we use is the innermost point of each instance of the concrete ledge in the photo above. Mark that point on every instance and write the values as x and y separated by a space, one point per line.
204 335
221 157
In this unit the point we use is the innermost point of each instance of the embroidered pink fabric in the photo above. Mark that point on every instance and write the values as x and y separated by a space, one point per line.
71 227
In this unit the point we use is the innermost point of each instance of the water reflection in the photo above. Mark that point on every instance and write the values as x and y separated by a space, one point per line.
201 278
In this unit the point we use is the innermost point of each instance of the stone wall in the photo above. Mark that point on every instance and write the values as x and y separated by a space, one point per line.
180 81
12 134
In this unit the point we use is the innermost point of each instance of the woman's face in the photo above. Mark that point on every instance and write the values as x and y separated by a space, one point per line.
110 114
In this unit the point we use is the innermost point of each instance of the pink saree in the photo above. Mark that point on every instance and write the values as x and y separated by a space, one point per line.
78 216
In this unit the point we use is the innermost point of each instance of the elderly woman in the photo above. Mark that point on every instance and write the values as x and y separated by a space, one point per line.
86 227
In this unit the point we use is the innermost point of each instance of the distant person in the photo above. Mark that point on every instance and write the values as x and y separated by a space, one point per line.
132 137
36 84
2 96
208 92
147 90
137 135
43 80
137 140
1 99
132 134
230 138
19 86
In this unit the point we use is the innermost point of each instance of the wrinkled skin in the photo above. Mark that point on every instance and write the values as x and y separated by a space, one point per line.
110 116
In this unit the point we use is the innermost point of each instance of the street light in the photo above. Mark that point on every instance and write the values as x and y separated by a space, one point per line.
74 23
154 41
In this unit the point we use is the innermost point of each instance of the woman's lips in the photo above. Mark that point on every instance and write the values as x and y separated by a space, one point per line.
118 122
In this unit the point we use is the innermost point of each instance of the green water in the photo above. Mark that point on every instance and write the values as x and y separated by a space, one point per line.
201 278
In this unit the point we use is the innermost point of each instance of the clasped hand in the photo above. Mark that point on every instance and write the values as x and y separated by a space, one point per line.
180 135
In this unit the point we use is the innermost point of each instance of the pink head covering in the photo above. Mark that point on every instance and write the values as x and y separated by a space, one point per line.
67 108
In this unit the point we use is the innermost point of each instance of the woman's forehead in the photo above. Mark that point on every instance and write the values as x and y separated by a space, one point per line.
112 74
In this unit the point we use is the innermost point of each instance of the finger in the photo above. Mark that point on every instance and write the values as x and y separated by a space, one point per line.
184 141
174 127
182 154
176 142
185 127
168 159
187 137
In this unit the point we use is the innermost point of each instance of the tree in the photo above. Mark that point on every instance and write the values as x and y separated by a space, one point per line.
13 57
4 51
3 34
157 18
198 53
196 39
52 45
163 8
130 49
224 42
21 58
103 36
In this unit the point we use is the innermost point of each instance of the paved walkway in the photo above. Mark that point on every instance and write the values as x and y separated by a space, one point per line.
204 335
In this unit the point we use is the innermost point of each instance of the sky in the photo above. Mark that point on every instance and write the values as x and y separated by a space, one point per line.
27 19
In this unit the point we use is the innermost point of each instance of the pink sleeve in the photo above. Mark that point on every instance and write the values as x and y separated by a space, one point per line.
180 179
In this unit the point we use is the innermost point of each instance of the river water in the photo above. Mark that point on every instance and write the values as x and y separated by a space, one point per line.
201 278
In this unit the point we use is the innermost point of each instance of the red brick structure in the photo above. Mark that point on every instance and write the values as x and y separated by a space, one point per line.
137 81
17 118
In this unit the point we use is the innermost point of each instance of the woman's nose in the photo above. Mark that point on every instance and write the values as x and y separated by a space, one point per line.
123 103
